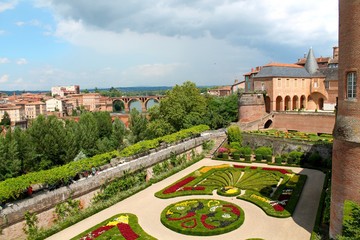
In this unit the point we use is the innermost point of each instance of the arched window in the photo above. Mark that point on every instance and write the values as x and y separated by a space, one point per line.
351 85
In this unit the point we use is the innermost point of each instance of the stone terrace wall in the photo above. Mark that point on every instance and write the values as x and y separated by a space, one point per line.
305 122
46 200
284 145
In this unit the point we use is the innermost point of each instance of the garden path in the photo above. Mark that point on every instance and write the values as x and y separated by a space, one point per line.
256 225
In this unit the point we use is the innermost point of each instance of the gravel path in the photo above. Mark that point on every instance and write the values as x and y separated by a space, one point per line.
256 225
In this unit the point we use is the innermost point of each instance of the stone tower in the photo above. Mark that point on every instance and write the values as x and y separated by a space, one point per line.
346 148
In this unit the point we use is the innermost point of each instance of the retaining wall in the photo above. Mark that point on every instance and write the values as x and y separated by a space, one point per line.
280 146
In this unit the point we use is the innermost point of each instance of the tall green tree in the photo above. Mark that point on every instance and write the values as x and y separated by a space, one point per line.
104 124
137 125
183 106
5 121
88 133
118 133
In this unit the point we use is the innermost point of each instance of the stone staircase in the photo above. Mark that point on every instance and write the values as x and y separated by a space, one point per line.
218 141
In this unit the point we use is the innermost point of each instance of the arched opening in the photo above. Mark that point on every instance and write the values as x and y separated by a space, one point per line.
287 103
268 124
267 104
295 103
151 102
118 106
279 103
303 102
317 101
321 103
135 104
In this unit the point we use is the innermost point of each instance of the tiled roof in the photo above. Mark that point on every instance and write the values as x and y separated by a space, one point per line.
276 71
311 64
331 74
276 64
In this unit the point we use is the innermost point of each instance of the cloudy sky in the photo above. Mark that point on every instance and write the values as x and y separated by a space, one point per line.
107 43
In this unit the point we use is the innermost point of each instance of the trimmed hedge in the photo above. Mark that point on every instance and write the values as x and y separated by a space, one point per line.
147 145
190 217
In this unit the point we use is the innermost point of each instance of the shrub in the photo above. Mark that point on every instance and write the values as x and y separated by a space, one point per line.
234 134
235 145
268 158
248 158
245 151
236 156
295 157
258 157
315 159
264 151
278 160
225 155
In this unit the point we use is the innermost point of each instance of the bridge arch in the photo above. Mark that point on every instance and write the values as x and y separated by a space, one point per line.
151 102
118 106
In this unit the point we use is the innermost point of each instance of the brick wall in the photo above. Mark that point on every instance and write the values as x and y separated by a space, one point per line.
305 122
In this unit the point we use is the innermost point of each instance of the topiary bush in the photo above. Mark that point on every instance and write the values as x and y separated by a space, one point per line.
295 157
234 134
263 153
245 151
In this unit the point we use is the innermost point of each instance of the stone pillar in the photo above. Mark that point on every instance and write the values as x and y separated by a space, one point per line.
346 148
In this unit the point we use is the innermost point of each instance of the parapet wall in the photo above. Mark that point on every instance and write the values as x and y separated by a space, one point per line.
44 201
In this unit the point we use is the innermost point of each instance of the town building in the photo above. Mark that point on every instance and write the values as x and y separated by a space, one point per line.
220 91
237 86
56 106
65 90
296 86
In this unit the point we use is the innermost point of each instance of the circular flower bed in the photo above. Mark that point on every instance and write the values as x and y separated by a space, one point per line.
202 217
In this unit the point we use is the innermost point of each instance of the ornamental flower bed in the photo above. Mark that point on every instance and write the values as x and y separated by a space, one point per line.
202 217
272 189
121 226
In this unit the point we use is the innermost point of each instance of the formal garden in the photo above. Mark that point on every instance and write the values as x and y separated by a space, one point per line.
276 191
121 226
202 217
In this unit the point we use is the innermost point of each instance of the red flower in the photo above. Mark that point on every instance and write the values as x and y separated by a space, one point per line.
190 214
178 185
203 221
127 232
277 207
239 166
253 167
234 209
283 171
189 220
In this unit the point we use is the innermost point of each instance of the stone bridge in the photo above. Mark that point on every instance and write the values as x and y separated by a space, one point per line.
142 99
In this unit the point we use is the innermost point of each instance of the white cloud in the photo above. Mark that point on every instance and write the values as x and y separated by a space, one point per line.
2 32
154 70
4 78
20 23
4 6
22 61
4 60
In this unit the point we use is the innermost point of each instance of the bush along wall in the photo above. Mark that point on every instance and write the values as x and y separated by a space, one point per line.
16 188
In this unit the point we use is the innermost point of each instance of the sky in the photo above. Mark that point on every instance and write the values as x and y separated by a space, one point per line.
107 43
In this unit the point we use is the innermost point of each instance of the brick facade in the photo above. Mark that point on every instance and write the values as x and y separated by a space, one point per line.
346 149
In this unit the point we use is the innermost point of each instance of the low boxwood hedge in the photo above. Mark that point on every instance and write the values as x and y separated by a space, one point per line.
202 217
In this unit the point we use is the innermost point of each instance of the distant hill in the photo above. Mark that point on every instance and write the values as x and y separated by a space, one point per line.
122 89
